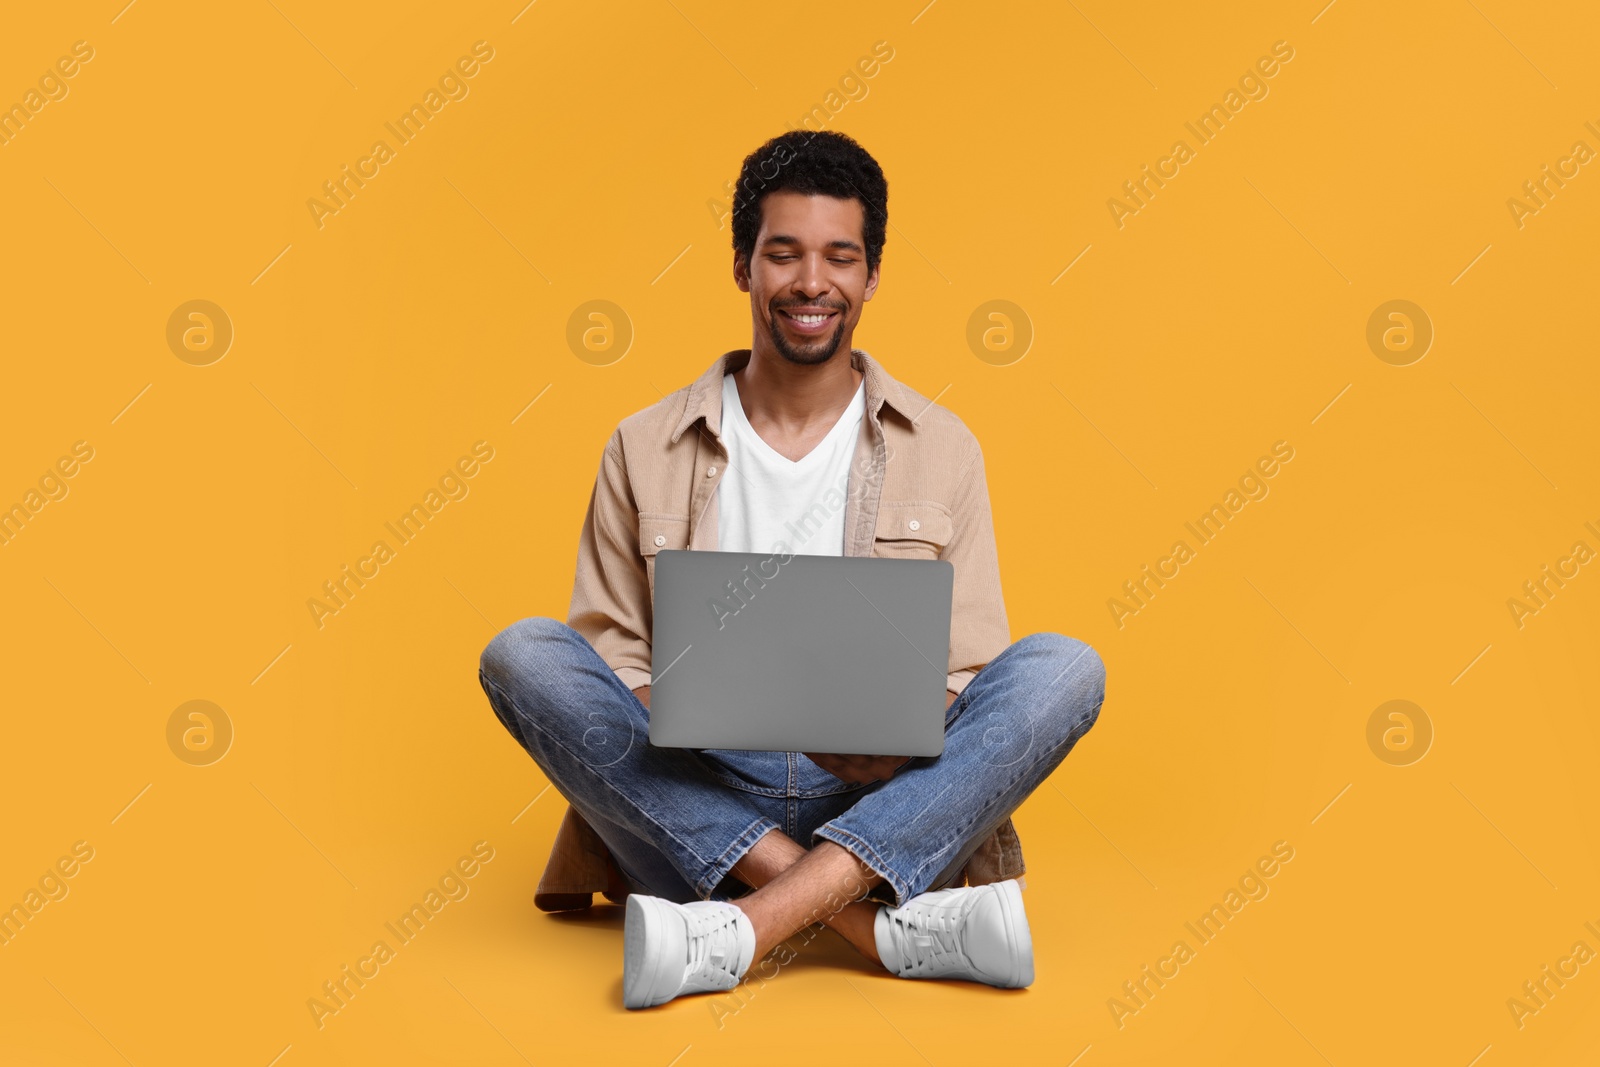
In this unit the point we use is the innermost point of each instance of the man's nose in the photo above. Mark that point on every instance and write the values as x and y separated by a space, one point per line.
811 280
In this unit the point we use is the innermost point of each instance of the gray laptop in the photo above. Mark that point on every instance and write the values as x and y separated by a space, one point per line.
820 654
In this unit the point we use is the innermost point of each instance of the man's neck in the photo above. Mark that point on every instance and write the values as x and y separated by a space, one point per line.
790 399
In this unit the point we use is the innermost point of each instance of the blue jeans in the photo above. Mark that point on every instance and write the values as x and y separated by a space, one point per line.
677 820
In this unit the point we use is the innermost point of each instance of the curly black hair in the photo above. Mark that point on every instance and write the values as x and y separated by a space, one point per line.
825 163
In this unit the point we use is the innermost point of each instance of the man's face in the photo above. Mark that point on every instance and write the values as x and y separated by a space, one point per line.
807 278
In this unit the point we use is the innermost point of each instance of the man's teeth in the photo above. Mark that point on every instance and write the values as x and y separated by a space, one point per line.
809 320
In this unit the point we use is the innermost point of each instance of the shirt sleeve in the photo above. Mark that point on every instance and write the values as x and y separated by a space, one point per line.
979 630
610 590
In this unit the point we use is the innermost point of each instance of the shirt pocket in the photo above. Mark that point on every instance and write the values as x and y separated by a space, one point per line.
913 529
658 531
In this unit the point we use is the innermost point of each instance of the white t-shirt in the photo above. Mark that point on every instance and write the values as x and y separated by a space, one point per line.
767 499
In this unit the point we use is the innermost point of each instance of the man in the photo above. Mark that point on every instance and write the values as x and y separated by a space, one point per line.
801 443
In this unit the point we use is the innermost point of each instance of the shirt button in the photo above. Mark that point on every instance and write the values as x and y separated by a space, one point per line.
914 524
711 472
661 539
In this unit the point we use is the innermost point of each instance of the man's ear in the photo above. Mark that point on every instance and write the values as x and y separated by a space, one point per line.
872 283
741 272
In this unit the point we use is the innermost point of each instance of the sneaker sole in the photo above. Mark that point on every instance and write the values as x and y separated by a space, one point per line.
1018 934
649 974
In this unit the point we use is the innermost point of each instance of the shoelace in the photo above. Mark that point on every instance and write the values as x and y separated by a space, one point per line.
707 947
926 938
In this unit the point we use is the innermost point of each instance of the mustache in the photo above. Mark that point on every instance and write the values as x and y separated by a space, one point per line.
808 304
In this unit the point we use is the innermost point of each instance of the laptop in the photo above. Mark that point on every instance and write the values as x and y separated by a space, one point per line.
844 654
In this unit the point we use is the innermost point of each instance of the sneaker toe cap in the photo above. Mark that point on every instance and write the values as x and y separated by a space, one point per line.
997 939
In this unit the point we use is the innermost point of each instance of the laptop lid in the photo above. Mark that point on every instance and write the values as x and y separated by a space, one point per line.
817 654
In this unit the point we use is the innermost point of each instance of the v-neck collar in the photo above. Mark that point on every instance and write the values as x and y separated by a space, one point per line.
730 398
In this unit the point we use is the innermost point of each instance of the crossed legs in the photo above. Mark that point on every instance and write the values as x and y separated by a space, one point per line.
795 887
669 823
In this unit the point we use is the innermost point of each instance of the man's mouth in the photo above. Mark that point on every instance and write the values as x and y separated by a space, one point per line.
809 320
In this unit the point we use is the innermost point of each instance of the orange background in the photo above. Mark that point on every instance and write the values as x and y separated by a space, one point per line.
584 163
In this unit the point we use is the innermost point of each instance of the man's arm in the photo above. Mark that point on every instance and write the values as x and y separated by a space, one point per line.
610 590
979 630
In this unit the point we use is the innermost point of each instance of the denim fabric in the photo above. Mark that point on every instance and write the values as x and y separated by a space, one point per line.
677 820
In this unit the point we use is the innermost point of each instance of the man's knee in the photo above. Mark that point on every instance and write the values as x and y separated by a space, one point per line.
1075 680
517 653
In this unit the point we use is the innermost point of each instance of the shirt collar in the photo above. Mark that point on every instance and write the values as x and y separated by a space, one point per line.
704 400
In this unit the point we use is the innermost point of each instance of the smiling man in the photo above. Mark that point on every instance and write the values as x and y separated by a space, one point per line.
801 443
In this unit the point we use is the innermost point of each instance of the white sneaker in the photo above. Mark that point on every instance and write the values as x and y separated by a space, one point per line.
979 933
670 949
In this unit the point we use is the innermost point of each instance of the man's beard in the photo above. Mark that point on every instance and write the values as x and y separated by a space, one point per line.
818 351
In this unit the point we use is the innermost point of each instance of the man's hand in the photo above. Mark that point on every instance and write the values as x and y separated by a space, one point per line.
643 693
864 770
858 770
